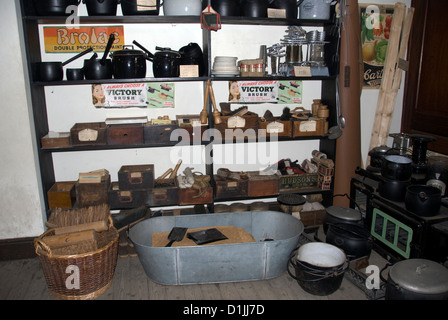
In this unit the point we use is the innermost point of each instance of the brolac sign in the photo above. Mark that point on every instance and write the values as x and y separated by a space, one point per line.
64 40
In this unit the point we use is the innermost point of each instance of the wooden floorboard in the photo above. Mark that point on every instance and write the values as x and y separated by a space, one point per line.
24 280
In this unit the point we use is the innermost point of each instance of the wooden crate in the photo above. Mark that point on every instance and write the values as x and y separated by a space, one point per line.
262 185
92 194
56 140
125 199
125 134
62 195
311 127
131 177
296 182
312 218
89 133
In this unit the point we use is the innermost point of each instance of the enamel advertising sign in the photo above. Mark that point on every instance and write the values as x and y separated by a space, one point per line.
71 40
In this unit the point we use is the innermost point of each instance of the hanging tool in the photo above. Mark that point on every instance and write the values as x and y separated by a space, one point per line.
203 115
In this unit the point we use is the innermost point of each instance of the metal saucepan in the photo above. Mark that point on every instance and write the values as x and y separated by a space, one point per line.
77 73
423 200
98 69
53 71
396 167
165 61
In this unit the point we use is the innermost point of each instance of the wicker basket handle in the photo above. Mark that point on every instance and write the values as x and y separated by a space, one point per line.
41 245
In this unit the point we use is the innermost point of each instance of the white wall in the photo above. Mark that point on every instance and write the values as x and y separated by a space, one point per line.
20 195
22 211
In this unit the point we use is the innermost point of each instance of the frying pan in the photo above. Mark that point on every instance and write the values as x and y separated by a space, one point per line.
97 69
53 71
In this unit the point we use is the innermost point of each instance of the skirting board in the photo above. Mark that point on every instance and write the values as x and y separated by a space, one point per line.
18 248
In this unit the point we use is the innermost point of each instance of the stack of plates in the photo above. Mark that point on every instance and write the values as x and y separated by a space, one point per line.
225 66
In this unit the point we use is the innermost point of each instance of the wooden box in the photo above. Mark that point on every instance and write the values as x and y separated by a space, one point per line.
310 127
125 134
90 133
92 194
193 126
282 128
62 195
131 177
189 196
295 182
262 185
56 140
312 218
248 125
230 188
160 133
125 199
165 192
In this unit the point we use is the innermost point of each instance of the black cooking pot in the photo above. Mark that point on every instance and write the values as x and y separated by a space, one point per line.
225 8
416 279
77 73
98 69
165 61
394 190
191 54
54 7
53 71
129 63
290 7
355 240
337 214
311 275
377 155
101 7
423 200
396 167
255 8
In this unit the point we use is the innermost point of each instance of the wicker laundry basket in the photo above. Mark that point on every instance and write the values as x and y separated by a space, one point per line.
96 268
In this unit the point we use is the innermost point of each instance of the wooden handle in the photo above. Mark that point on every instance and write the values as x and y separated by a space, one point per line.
174 173
97 226
167 172
62 240
203 115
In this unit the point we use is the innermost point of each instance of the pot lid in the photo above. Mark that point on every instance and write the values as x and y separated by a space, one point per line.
420 275
128 52
348 214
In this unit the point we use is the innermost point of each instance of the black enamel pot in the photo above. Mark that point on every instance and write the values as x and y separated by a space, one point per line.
129 63
101 7
255 8
355 240
396 167
290 7
423 200
337 214
99 69
55 7
165 62
191 54
225 8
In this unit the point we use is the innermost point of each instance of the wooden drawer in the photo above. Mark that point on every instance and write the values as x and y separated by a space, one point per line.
131 177
282 128
125 134
164 193
62 195
191 196
125 199
90 133
244 123
56 140
311 127
159 133
230 188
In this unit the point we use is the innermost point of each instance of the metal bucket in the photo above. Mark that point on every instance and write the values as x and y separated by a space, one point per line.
276 234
